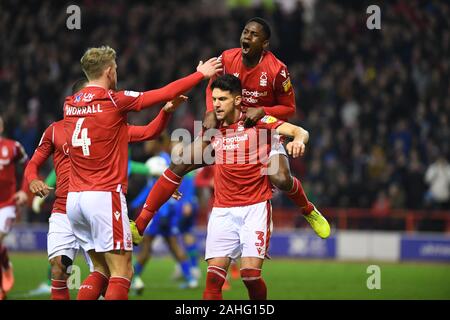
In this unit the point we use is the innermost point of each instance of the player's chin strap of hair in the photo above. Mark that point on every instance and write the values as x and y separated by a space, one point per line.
67 263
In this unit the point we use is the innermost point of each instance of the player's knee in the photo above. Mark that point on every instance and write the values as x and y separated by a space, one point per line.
282 179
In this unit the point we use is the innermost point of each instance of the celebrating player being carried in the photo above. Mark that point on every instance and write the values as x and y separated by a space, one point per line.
266 90
96 132
62 244
241 221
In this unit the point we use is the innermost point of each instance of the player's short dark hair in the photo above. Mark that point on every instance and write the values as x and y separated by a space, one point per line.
79 84
228 82
264 24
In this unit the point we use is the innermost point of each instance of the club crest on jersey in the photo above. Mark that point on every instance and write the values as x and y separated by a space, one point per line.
4 151
263 79
240 126
268 119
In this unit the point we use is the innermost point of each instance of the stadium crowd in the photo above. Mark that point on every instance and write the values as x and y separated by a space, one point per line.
375 102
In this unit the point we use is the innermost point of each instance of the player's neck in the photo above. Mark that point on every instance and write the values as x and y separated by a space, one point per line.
99 83
232 118
250 62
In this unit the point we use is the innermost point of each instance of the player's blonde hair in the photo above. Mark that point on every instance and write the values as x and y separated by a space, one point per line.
96 60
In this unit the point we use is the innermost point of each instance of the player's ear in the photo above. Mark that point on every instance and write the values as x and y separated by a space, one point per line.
265 44
237 100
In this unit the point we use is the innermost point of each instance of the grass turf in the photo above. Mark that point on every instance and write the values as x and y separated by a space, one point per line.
285 279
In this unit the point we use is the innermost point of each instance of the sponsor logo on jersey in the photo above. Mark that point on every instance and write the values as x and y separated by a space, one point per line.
87 97
254 93
133 94
286 84
268 119
263 79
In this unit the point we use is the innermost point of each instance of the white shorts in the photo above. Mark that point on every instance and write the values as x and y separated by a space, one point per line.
277 147
7 218
99 220
61 240
239 231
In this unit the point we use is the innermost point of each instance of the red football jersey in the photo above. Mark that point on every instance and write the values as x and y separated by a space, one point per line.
11 152
241 156
53 142
96 132
265 85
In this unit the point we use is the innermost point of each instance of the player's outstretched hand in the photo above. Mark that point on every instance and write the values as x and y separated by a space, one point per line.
295 148
20 197
39 188
210 67
210 120
135 236
172 105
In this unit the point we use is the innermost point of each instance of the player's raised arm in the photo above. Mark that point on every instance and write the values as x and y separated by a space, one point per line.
296 147
205 70
157 125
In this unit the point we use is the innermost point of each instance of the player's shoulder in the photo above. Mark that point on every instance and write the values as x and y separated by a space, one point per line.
273 61
87 95
231 54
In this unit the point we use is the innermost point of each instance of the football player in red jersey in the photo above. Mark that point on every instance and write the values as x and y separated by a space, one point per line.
62 244
266 90
240 223
11 153
97 136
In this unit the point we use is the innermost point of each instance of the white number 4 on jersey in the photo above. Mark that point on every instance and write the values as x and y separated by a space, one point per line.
84 142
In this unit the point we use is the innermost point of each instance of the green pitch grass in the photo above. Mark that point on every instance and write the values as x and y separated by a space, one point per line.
285 279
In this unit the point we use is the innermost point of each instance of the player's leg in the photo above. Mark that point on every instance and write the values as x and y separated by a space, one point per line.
280 176
255 235
181 257
7 218
111 234
190 243
170 180
81 222
62 247
141 260
222 245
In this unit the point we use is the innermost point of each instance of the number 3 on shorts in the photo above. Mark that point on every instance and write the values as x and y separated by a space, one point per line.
260 235
84 142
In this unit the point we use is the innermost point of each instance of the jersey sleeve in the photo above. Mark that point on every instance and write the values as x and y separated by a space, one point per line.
19 153
151 130
284 96
269 122
209 102
44 150
127 100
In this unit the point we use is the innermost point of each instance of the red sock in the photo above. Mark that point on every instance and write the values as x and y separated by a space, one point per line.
60 290
92 286
118 289
297 194
163 189
215 277
256 286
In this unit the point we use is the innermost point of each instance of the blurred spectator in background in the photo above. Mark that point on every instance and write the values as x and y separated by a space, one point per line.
437 177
